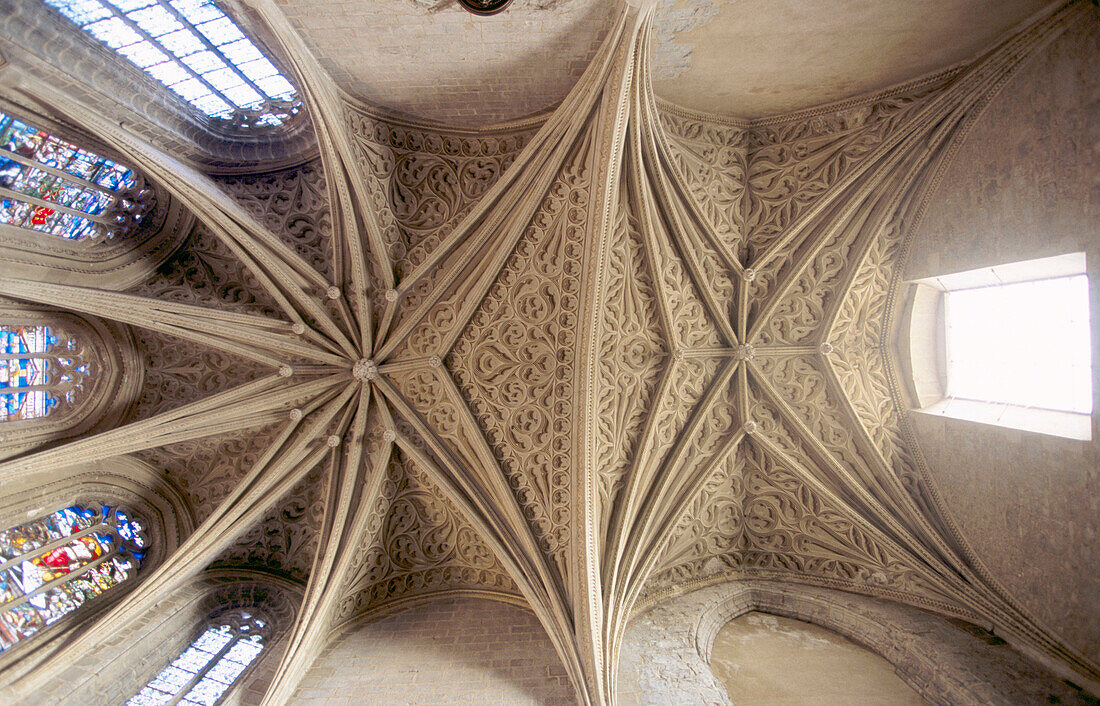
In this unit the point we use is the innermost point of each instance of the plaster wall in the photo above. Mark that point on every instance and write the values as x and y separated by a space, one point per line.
454 650
667 650
1025 185
769 660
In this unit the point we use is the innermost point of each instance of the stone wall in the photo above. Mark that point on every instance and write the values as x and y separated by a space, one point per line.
665 655
453 650
1024 185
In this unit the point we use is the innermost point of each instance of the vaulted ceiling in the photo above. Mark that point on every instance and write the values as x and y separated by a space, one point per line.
581 359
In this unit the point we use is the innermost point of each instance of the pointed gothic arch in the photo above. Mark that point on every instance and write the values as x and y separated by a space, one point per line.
120 482
105 379
131 227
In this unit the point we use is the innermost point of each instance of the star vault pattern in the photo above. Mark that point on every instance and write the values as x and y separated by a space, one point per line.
622 350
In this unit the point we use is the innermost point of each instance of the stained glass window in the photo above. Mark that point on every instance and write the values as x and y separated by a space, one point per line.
51 186
194 49
38 369
209 666
53 565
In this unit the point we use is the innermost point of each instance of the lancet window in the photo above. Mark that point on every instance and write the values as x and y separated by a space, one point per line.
211 664
40 368
53 187
196 50
57 563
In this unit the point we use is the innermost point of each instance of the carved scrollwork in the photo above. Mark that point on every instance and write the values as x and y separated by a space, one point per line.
423 545
632 351
514 362
294 205
286 539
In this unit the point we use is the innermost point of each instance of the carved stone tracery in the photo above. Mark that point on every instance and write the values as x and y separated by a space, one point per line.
441 403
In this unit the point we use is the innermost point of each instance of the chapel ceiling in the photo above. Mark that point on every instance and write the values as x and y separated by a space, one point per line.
577 361
432 60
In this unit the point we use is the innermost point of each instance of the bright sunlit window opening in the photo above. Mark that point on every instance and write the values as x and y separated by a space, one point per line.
193 48
1025 344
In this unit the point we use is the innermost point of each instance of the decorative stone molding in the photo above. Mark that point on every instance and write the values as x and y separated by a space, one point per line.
667 648
54 52
123 481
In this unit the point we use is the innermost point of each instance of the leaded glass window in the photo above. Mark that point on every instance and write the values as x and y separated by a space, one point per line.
194 49
209 666
50 186
38 370
55 564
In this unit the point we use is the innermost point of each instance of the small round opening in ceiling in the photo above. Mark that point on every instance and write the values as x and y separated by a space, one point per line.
485 7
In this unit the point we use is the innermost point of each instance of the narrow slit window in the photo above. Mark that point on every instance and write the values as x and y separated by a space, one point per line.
1024 344
205 671
194 49
53 565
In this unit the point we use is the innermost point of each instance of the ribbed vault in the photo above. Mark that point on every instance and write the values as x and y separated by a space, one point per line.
580 361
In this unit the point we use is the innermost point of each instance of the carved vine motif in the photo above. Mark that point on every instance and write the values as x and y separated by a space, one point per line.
206 273
424 182
294 205
206 470
424 545
514 362
286 539
178 372
760 518
755 181
755 184
632 352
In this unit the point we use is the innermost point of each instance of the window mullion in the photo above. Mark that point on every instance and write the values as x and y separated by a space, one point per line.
203 672
210 47
64 175
60 580
50 546
148 37
19 196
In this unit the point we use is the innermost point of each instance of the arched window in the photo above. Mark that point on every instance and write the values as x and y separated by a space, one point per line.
211 664
194 49
48 185
39 370
55 564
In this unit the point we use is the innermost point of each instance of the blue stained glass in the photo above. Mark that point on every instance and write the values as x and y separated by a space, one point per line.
18 139
46 572
25 373
172 39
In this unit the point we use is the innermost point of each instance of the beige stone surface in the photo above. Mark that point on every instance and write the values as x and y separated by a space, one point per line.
447 651
433 60
1018 190
775 661
753 58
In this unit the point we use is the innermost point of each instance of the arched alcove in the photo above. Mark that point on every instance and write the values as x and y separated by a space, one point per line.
461 648
108 386
774 660
667 649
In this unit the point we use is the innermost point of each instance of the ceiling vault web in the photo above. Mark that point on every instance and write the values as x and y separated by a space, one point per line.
644 322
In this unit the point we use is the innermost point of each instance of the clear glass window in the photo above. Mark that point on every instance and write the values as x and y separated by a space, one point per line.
1025 344
203 673
194 49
